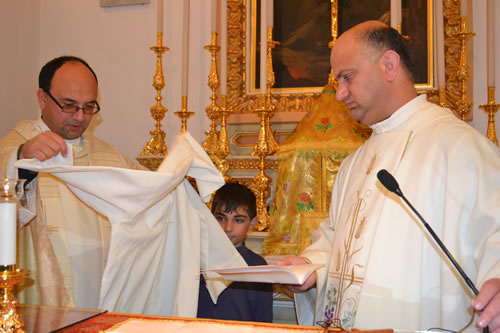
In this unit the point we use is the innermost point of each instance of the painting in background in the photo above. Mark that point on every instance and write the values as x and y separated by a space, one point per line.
303 28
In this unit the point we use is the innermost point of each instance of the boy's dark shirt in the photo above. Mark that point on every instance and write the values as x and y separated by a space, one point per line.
245 301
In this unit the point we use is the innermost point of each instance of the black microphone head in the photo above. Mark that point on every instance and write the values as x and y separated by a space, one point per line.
388 181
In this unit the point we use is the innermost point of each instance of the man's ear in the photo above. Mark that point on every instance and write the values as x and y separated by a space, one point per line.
42 98
391 66
253 223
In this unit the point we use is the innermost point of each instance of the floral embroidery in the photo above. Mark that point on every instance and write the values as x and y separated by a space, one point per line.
305 202
360 131
306 154
325 125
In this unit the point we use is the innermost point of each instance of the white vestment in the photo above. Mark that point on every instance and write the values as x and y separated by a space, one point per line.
383 268
162 233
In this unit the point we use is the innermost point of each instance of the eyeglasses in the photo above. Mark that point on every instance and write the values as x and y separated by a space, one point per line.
73 108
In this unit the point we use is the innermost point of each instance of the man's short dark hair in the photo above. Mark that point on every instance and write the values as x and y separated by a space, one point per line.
47 72
231 196
387 38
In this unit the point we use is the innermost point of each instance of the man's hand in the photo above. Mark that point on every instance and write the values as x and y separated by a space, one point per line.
308 284
44 146
488 301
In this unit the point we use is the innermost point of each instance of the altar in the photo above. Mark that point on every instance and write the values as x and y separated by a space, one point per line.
42 319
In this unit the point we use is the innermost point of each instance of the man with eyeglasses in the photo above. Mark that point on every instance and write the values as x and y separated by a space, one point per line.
65 245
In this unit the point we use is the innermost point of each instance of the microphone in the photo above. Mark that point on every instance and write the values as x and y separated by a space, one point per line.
392 185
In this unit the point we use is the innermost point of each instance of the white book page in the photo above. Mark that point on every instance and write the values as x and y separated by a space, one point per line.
293 274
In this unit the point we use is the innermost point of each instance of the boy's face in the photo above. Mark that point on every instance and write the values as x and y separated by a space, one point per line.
235 224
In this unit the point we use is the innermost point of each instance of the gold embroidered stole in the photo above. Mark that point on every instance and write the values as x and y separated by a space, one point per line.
360 203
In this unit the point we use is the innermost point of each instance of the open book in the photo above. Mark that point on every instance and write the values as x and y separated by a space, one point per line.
294 274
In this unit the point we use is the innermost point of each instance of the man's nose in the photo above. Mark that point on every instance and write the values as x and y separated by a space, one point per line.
79 115
342 93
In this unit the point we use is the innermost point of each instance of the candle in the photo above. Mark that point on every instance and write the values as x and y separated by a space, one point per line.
185 49
263 45
270 13
440 56
223 48
395 13
213 15
463 8
159 16
8 225
491 43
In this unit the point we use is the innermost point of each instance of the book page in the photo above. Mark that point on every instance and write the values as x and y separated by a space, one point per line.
293 274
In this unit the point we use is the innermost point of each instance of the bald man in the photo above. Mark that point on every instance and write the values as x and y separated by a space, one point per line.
383 270
65 246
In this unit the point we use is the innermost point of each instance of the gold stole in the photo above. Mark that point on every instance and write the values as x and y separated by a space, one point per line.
361 201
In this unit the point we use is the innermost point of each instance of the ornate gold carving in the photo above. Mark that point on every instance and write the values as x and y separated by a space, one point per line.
335 34
451 12
223 142
10 321
251 164
156 144
464 104
152 163
491 108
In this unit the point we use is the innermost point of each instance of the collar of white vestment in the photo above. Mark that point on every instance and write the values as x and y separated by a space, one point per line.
400 116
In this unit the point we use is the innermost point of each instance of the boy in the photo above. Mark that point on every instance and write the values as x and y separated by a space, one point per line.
234 207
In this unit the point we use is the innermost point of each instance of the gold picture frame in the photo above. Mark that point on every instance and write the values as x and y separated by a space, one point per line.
243 38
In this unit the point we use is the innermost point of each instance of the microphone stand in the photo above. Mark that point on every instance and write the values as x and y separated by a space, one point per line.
392 185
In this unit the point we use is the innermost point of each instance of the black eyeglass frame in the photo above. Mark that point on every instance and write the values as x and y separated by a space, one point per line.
74 108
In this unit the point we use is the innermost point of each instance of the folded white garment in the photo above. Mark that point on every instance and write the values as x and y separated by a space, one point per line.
162 233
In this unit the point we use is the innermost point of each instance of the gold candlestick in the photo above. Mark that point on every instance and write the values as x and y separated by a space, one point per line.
223 143
155 149
10 321
211 139
184 114
491 108
11 191
266 144
464 104
270 81
261 181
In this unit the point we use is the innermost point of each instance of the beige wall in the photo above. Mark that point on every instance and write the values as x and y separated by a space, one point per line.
115 41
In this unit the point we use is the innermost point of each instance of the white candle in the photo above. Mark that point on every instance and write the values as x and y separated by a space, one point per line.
270 13
159 16
491 43
440 57
263 45
213 15
8 228
223 47
395 13
185 49
463 8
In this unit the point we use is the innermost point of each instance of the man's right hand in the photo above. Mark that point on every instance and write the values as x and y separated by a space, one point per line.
44 146
308 283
